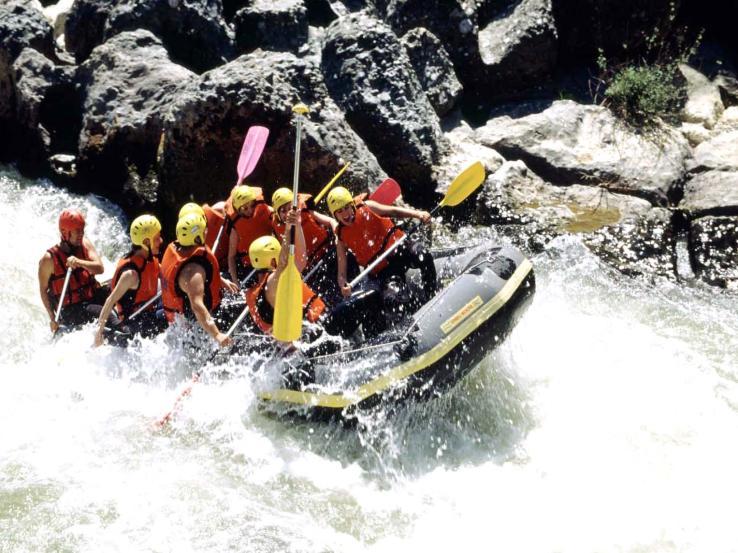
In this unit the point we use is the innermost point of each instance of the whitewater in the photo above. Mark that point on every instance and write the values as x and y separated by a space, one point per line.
606 422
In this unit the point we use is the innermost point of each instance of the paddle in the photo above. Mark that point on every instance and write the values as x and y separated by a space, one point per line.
144 306
327 187
387 192
287 324
460 188
63 294
253 146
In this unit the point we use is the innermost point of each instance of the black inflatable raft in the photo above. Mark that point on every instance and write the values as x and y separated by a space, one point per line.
436 347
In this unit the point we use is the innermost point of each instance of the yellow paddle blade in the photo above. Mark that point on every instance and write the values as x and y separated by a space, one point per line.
288 308
464 184
327 187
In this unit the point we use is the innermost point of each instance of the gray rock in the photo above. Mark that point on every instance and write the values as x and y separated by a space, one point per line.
570 143
728 87
519 47
704 104
711 193
271 25
207 122
85 26
713 245
129 83
720 152
369 75
433 68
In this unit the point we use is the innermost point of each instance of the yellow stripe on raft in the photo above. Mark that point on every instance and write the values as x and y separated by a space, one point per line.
401 372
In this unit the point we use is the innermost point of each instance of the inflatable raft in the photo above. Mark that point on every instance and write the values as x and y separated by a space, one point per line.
426 354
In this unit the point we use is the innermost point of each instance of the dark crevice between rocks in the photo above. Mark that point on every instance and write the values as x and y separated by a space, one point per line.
683 262
320 13
61 115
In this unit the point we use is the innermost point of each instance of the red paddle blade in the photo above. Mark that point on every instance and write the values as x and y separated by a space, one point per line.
387 192
253 146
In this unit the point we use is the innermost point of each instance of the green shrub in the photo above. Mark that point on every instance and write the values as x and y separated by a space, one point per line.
641 94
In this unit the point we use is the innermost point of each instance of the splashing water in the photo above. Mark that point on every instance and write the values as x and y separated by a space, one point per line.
606 422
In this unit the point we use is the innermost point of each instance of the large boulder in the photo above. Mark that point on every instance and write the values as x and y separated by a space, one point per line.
47 110
271 25
704 105
571 143
720 152
711 193
21 26
128 84
207 121
713 245
369 75
433 68
84 27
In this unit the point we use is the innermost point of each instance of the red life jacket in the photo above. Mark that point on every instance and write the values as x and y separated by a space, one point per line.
369 235
249 229
148 279
262 313
216 221
174 299
82 283
317 237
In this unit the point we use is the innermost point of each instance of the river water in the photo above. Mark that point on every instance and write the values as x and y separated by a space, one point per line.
606 422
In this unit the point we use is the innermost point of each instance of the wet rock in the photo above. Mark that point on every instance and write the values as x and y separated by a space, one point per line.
704 105
572 143
271 25
207 122
129 83
433 68
720 152
518 48
711 193
713 245
84 27
47 110
369 75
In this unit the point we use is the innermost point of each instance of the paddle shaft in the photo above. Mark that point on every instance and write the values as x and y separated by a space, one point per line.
63 294
144 306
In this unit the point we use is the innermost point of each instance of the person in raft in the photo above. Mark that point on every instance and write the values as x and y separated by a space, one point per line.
83 297
191 280
215 216
249 217
366 229
134 283
320 263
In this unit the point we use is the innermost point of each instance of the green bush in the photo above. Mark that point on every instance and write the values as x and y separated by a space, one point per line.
641 94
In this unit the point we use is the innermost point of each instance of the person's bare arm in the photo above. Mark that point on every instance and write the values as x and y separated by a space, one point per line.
232 249
94 264
45 270
128 281
341 263
292 218
192 282
398 212
324 220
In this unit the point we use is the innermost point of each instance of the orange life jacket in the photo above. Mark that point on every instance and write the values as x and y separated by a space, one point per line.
262 312
369 235
174 299
82 283
249 229
148 279
317 237
216 221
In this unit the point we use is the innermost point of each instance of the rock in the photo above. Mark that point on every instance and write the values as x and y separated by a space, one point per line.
704 105
57 15
518 48
193 31
728 87
433 68
720 152
570 143
711 193
47 110
369 75
713 245
728 122
695 133
271 25
206 124
85 26
129 83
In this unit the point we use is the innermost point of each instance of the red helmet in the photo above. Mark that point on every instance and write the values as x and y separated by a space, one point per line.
69 220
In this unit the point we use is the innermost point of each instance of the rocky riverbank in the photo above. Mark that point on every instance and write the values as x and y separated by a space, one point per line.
147 102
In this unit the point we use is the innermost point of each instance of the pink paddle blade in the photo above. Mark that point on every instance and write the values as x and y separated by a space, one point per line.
253 146
387 192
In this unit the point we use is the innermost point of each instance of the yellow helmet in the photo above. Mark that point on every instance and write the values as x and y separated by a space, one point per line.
191 230
339 198
143 227
263 250
242 195
191 207
280 197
